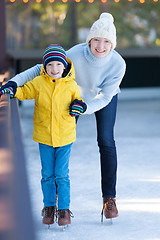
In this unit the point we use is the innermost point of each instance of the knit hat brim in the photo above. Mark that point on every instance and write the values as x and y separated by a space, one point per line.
54 52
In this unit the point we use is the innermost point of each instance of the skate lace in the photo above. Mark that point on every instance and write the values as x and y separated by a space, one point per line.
48 211
62 213
109 204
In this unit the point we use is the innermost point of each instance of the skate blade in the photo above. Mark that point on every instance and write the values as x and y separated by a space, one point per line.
64 228
109 221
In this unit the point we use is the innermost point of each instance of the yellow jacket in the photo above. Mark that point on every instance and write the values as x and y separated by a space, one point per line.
52 123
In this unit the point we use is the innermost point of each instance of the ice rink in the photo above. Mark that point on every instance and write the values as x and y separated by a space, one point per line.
137 135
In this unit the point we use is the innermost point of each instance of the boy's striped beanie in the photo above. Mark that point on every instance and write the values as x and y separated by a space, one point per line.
54 52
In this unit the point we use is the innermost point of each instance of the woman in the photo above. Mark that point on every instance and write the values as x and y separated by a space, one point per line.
99 70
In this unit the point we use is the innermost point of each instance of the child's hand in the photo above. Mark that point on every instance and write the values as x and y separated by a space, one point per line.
77 107
9 88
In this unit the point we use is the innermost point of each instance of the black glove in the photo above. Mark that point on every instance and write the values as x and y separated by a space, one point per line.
9 88
77 107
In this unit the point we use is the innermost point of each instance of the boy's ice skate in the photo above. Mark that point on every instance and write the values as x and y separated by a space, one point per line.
64 217
48 214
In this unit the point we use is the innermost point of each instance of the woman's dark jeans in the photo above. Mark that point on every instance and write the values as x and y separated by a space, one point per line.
105 119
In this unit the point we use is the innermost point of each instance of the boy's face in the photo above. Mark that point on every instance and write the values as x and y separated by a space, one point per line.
55 69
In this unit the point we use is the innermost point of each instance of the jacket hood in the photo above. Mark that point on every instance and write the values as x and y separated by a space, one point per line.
68 74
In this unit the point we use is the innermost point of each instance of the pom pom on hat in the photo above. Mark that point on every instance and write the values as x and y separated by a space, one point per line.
54 52
107 16
104 28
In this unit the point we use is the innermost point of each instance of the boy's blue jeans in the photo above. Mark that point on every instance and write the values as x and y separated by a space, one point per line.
55 175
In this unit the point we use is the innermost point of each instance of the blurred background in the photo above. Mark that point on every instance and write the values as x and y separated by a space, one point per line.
35 24
30 25
27 27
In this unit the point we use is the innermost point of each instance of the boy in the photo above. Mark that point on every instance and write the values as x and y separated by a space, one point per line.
54 92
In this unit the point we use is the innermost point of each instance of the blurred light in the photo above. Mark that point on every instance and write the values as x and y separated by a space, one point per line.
77 1
6 216
3 76
5 162
157 41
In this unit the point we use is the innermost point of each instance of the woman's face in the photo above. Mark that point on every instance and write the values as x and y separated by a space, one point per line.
100 47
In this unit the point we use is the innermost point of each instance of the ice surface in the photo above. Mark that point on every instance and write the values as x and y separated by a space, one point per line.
137 134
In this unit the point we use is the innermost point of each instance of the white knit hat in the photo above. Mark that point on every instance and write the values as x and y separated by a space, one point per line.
103 28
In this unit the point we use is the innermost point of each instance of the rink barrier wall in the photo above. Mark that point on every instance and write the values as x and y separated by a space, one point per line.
16 221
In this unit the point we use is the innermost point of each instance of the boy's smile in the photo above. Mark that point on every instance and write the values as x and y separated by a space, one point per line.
55 69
